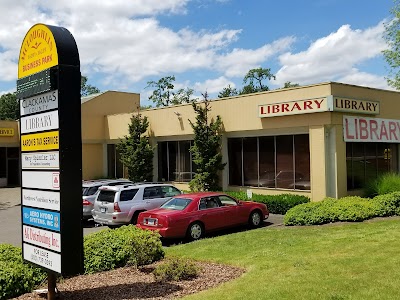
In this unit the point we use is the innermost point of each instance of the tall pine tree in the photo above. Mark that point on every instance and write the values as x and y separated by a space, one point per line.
136 151
206 149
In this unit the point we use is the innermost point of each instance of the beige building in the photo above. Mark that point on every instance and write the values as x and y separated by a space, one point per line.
321 140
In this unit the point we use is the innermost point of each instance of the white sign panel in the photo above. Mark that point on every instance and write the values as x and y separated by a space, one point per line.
40 160
39 122
41 180
360 129
43 238
42 257
41 199
39 103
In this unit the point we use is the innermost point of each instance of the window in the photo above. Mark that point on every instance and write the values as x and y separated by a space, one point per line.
128 195
3 162
176 203
271 162
169 191
208 203
366 161
106 196
235 161
115 168
152 193
175 161
227 201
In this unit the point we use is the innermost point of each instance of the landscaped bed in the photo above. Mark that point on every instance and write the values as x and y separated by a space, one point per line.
139 283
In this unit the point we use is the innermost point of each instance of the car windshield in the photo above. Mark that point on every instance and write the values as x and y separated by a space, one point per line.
176 203
106 196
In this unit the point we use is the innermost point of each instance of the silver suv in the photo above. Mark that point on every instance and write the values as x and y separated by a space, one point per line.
89 192
121 204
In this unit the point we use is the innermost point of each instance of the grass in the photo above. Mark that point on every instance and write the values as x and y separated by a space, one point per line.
336 262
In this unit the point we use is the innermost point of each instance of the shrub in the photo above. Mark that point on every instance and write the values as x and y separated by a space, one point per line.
388 204
109 249
176 269
17 277
277 204
384 184
351 208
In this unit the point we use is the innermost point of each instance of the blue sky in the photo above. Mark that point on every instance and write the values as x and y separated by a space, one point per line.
208 44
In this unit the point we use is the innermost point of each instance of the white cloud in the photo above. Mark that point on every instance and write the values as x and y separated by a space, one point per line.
124 43
239 61
332 57
213 85
365 79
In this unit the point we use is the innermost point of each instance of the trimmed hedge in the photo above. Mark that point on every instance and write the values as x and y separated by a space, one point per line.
128 245
17 277
350 209
277 204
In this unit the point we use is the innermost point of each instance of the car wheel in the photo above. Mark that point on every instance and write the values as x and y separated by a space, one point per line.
134 218
195 231
113 226
255 219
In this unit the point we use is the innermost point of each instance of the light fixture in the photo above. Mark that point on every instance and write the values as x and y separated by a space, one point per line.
177 113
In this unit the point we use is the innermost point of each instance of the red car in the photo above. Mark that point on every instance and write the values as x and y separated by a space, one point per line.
192 215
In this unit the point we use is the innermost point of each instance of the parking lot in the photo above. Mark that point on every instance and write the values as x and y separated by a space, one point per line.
10 218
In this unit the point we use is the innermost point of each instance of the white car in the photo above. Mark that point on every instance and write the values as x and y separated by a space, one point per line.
89 192
121 204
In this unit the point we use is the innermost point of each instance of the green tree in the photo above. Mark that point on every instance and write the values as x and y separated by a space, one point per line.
87 89
136 151
254 80
228 92
206 149
392 54
9 107
164 94
288 84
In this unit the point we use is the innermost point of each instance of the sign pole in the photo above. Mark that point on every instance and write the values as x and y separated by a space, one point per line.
51 286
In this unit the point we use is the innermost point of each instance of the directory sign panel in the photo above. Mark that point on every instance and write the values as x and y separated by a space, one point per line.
48 89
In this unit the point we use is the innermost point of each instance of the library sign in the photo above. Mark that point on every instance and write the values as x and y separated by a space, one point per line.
48 89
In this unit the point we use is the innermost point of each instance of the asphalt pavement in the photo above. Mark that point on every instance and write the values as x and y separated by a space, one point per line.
10 218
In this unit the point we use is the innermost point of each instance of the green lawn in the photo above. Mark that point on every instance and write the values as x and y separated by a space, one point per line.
340 261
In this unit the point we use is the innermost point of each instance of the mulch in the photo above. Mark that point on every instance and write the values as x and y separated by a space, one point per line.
138 283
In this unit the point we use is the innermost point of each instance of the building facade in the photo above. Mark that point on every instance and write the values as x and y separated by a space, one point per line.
322 140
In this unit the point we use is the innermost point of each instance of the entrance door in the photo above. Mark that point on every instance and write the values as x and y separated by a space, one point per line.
13 172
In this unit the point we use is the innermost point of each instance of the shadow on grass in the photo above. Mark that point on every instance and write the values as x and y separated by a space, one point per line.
173 242
139 290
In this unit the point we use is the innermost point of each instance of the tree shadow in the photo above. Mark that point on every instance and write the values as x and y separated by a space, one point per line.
236 229
138 290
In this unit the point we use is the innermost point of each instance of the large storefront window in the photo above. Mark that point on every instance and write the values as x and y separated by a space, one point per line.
175 161
366 161
272 162
115 167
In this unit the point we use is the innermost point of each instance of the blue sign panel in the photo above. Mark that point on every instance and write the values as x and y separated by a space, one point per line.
41 218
